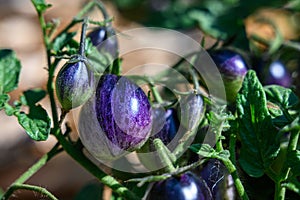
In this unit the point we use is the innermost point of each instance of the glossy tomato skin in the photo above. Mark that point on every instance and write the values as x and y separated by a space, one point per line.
165 127
278 74
123 112
104 38
185 187
170 127
218 180
233 68
74 84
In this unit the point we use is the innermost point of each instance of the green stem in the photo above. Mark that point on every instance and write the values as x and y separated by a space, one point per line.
279 189
237 181
181 147
50 89
102 9
228 163
219 145
82 37
287 43
164 176
292 186
195 79
78 156
155 93
272 175
32 188
77 18
32 170
51 67
293 140
163 154
232 144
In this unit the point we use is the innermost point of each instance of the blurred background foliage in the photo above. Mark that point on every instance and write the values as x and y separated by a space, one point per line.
226 20
263 31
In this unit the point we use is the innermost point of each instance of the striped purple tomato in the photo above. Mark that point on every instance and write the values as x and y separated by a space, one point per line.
191 111
232 68
74 84
123 112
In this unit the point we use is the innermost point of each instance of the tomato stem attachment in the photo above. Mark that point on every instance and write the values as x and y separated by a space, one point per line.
82 37
164 154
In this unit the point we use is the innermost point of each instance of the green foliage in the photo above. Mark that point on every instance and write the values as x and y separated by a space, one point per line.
3 99
36 123
99 62
294 162
90 191
62 41
283 97
283 101
9 71
259 138
40 5
203 149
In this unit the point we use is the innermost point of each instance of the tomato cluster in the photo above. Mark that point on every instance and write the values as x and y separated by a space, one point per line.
130 121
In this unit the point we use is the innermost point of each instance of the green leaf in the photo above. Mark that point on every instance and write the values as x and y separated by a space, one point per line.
293 5
259 138
204 150
115 196
34 96
10 110
99 61
40 5
62 40
293 160
37 123
294 126
280 100
3 99
9 71
90 191
223 155
293 184
283 97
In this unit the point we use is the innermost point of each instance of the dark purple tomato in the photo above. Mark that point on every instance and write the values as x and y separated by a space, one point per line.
278 74
123 112
170 126
165 126
233 68
218 180
104 38
74 84
184 187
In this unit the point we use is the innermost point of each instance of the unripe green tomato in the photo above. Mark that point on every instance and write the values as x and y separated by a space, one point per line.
74 84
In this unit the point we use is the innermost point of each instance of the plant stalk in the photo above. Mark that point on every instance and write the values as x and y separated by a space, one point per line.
78 156
31 171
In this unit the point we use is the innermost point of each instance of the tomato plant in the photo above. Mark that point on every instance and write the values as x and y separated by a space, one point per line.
208 126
